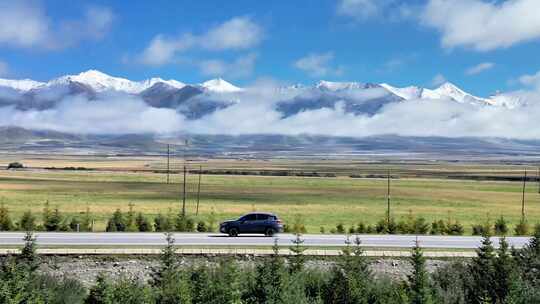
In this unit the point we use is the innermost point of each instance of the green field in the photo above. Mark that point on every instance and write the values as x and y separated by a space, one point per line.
320 201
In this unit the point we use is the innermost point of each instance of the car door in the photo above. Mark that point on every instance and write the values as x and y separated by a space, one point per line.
261 224
248 224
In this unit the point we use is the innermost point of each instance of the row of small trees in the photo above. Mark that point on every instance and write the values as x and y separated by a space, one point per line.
419 225
131 221
495 276
51 220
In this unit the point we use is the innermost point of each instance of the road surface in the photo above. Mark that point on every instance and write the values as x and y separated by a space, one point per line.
213 239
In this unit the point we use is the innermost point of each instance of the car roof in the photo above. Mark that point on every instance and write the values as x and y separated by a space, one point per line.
265 213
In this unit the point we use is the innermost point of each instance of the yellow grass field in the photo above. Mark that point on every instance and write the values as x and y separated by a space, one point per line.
321 201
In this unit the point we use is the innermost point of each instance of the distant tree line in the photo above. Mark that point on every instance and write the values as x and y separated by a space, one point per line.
503 275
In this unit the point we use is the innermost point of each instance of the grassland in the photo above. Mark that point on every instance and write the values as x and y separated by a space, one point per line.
116 182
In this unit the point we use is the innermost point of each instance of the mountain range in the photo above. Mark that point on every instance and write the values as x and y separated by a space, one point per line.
197 100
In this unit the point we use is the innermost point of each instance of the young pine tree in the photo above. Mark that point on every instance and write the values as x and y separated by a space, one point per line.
131 224
5 220
171 285
504 272
269 279
28 254
116 222
482 274
418 281
87 220
101 292
142 223
28 221
297 260
161 223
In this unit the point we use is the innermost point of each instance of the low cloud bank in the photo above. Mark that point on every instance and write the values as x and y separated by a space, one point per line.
255 113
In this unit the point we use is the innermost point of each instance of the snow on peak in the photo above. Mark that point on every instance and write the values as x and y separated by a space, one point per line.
406 93
100 82
20 85
219 85
336 86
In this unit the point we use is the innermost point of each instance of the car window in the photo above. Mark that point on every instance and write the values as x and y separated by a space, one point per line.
262 217
250 217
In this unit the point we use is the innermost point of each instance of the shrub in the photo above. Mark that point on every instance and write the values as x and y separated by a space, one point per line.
15 165
142 223
28 221
438 227
201 226
361 228
420 226
455 228
184 224
383 226
212 221
501 226
352 230
522 228
370 229
5 220
75 224
482 229
131 224
340 229
161 223
117 222
52 221
322 230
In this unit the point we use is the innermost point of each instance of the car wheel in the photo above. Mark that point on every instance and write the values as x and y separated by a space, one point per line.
233 232
269 232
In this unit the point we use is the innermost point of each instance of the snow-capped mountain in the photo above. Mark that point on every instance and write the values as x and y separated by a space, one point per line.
336 86
219 85
406 93
197 100
100 82
448 90
445 91
20 85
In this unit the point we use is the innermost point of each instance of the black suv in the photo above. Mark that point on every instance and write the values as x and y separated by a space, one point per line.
266 223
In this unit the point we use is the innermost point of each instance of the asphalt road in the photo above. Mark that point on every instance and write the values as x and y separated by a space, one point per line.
213 239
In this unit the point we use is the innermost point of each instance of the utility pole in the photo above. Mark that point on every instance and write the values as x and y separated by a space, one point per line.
523 197
199 191
168 161
538 179
388 200
184 194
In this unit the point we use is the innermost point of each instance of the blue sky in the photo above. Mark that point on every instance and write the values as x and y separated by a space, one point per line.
399 42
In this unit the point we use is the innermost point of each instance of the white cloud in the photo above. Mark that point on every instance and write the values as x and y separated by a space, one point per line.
3 69
256 113
363 10
25 24
479 68
162 50
318 65
531 80
483 25
241 67
438 80
113 114
235 34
